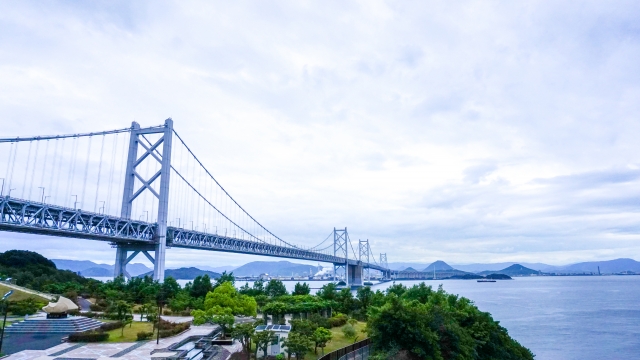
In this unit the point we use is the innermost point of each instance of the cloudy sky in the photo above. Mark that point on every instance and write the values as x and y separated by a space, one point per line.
465 131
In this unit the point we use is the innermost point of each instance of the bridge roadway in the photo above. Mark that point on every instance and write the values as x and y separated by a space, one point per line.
17 215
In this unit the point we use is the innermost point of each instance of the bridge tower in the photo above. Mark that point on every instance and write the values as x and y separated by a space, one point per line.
151 152
384 264
364 251
341 248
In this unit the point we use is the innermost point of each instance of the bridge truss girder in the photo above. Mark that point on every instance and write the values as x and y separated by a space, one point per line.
25 216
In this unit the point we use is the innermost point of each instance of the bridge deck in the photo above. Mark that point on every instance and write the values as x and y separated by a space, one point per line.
18 215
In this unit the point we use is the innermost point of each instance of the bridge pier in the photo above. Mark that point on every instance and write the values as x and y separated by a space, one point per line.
123 257
354 275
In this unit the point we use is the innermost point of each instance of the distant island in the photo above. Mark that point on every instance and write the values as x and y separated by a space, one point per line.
189 273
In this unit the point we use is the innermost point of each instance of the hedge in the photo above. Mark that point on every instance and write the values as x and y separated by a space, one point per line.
89 336
144 335
111 326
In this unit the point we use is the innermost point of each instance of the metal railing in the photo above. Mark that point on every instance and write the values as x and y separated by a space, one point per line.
360 354
355 351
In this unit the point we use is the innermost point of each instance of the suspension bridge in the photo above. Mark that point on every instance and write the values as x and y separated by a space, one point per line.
143 191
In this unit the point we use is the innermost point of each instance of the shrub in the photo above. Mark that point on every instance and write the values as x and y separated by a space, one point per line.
338 320
349 331
167 312
144 335
111 326
169 328
96 307
89 336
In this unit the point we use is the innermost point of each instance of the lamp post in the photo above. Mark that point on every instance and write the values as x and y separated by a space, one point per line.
4 301
160 303
42 197
2 189
9 194
75 202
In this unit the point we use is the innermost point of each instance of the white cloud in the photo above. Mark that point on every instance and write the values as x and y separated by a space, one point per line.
464 131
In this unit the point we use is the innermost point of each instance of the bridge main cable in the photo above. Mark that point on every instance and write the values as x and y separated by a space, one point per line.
51 137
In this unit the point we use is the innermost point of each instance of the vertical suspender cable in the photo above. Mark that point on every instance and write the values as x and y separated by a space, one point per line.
198 199
72 170
95 202
33 171
26 171
110 184
60 162
6 176
13 165
86 172
44 166
54 169
122 173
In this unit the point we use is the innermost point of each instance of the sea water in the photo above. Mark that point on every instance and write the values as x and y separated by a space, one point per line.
557 317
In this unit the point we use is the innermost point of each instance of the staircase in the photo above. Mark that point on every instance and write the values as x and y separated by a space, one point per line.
65 326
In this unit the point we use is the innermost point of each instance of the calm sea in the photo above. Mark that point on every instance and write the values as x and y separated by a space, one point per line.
573 317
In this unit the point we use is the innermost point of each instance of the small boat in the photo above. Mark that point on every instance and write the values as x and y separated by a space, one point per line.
486 280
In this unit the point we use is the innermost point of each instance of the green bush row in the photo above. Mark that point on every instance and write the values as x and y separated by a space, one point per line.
144 335
89 336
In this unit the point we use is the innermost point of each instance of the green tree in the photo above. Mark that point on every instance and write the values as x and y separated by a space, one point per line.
121 311
146 309
364 296
262 339
225 277
243 333
297 344
321 337
276 309
345 301
275 288
328 292
435 325
303 326
226 296
225 321
301 289
169 288
201 286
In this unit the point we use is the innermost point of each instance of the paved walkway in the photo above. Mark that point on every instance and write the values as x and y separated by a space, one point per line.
111 351
28 291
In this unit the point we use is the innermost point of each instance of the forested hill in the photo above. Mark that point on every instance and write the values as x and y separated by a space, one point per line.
185 273
32 270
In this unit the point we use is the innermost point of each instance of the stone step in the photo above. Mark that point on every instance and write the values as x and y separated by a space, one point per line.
68 325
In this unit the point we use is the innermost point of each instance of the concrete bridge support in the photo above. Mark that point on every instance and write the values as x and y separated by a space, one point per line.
123 257
354 275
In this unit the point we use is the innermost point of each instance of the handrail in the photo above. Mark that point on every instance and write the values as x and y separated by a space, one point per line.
335 355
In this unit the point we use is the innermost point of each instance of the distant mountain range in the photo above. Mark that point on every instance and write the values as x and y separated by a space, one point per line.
276 268
218 269
185 273
286 268
89 268
606 267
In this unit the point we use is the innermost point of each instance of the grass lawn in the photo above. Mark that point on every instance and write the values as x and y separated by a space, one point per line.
130 332
339 341
20 295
